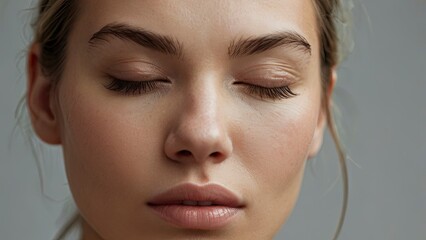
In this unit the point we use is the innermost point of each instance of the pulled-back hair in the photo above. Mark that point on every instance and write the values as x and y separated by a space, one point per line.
55 19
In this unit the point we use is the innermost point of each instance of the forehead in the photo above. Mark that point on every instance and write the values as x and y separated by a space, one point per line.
201 24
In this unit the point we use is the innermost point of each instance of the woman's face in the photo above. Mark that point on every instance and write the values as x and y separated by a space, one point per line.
156 94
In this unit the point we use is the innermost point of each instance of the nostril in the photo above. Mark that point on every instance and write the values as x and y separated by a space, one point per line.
184 153
215 155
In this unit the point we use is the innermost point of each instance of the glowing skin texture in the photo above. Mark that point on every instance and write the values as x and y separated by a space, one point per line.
247 121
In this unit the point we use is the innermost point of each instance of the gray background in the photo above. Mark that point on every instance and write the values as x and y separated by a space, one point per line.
382 99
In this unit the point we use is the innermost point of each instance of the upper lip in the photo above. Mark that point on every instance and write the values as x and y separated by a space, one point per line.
214 193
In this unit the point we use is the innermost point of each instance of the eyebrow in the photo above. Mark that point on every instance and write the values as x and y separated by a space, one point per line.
256 45
140 36
171 46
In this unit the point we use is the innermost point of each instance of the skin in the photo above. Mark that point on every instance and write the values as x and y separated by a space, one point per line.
122 150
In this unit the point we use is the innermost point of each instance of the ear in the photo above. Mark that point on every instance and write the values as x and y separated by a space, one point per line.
40 100
322 118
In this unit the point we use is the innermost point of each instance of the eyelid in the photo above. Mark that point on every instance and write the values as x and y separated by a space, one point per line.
268 75
135 70
135 76
268 81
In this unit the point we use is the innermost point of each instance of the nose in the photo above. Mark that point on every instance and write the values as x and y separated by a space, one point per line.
199 131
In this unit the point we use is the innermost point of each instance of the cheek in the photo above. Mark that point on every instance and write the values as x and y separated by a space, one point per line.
277 143
275 148
103 145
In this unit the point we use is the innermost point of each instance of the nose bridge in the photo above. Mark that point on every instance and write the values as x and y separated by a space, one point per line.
199 133
201 106
201 124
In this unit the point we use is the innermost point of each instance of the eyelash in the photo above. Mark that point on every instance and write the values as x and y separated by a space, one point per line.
133 88
275 93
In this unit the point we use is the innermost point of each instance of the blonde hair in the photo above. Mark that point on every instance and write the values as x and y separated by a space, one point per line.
55 19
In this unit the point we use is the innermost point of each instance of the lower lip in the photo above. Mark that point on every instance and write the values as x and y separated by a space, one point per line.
196 217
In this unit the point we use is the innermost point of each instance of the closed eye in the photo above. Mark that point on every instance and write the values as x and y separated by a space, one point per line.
134 88
271 93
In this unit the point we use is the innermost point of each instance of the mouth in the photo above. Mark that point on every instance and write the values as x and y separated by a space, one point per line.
197 207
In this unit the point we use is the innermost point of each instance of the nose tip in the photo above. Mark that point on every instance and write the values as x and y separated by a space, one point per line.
198 144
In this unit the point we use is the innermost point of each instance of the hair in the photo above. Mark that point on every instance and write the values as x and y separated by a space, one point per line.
55 19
